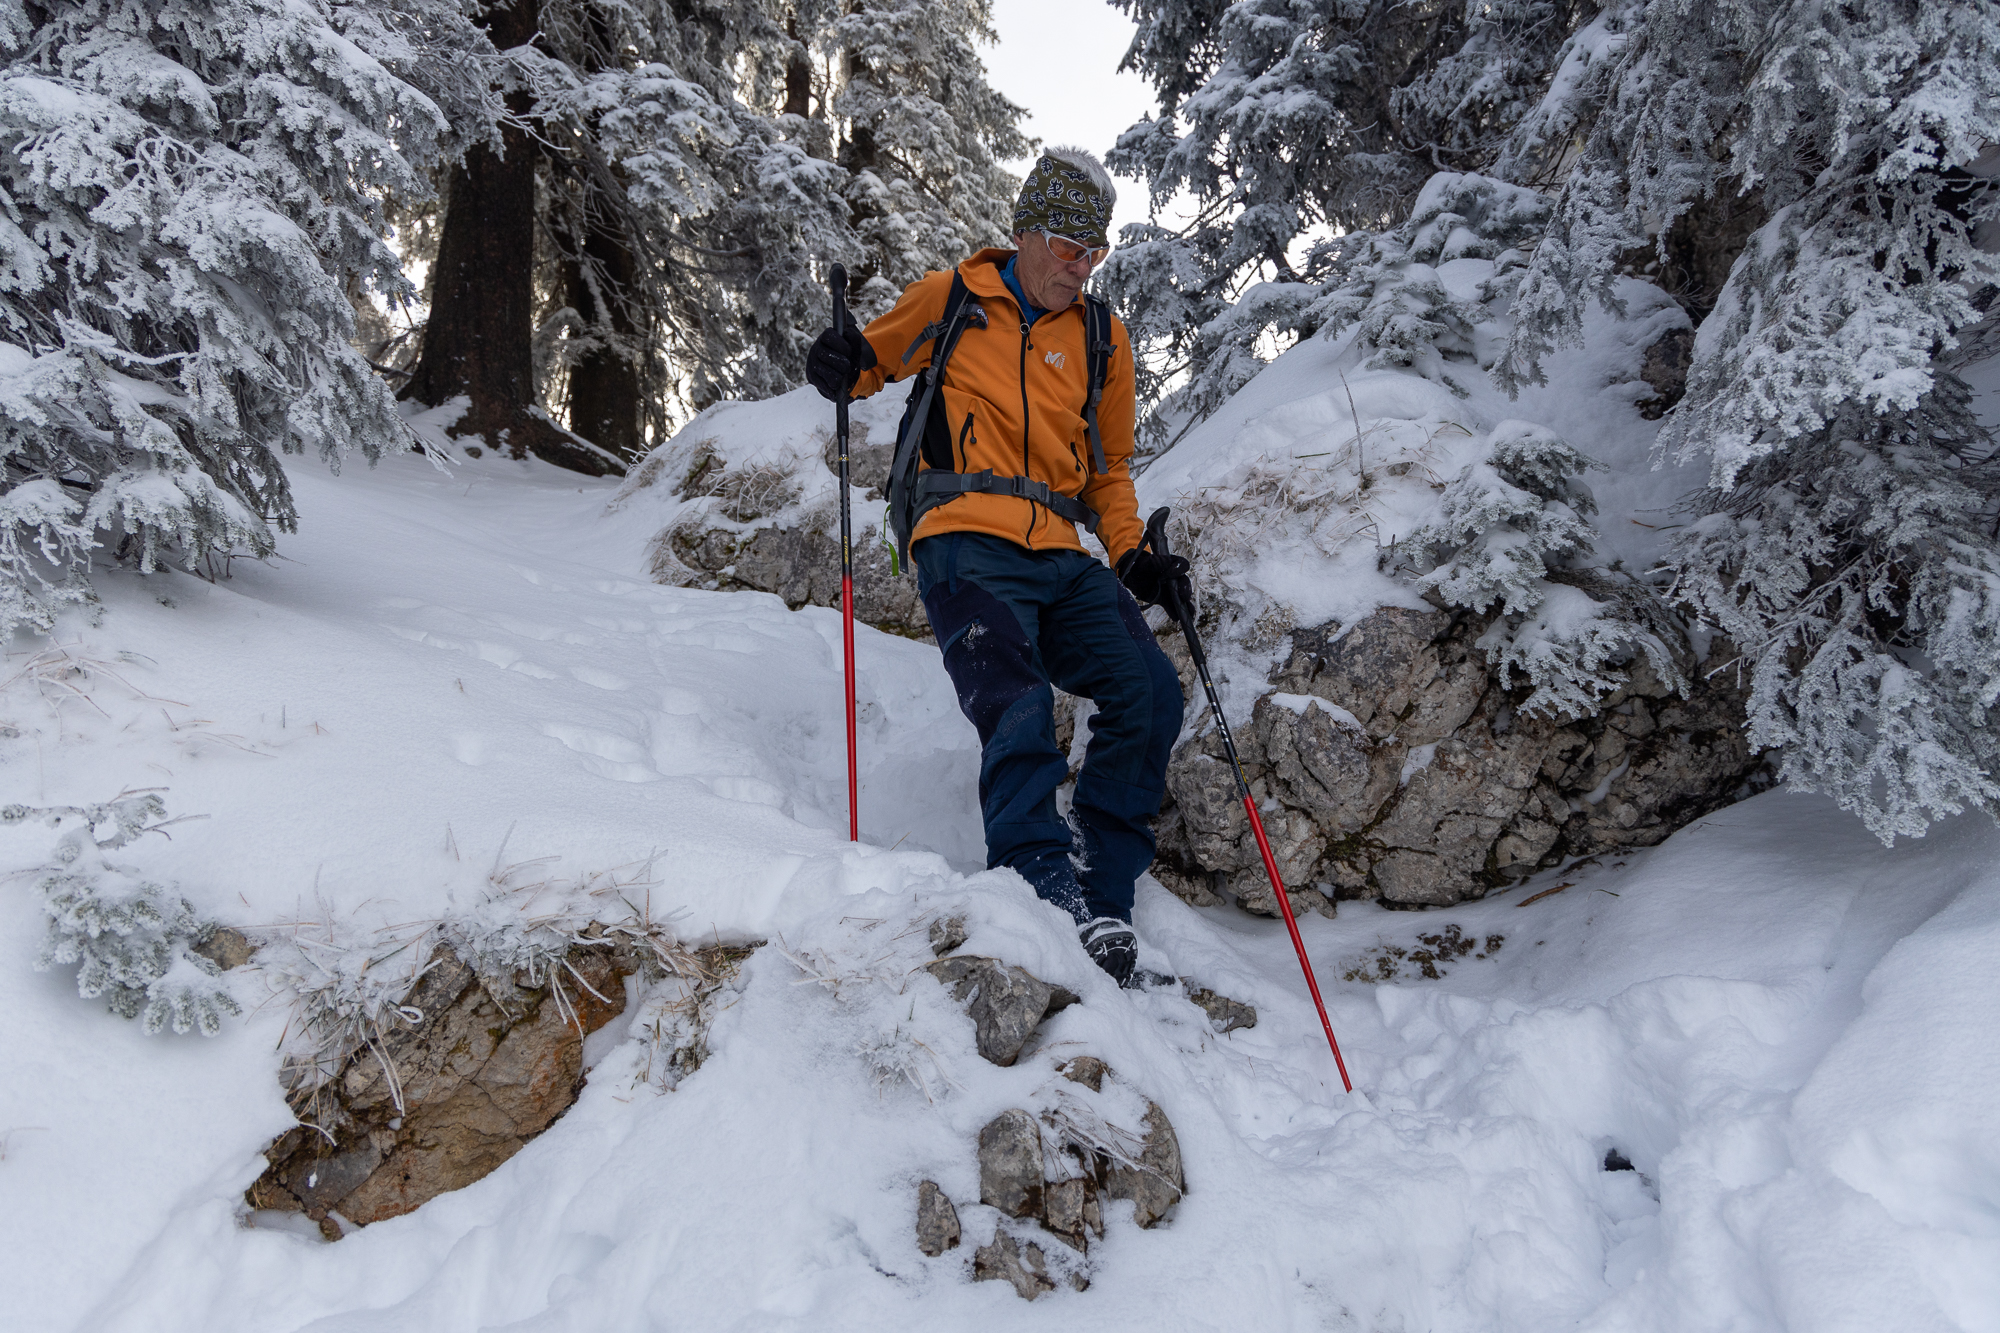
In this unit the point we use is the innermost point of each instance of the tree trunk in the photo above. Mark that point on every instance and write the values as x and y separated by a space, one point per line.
479 340
798 75
604 386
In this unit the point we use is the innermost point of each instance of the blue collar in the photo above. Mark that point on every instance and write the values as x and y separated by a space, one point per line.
1028 308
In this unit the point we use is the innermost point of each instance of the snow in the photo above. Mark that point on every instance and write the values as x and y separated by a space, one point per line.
1789 1031
1303 703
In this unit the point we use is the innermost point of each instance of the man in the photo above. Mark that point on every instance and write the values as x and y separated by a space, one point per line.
1015 602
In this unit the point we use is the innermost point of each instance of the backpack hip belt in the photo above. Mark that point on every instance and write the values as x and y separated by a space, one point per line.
936 487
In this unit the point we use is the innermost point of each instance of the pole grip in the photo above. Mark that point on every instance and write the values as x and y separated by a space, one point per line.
1156 538
837 280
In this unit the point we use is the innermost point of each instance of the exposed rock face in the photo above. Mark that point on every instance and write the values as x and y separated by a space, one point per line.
1387 762
1005 1002
937 1220
490 1065
947 934
226 948
1087 1070
1665 368
1010 1164
802 566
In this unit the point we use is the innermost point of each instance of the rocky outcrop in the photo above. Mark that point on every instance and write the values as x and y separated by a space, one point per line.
1388 763
1010 1164
1152 1180
802 566
1665 370
442 1100
1055 1168
1053 1171
731 550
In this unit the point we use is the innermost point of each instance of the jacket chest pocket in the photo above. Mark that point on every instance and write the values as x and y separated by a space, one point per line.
982 436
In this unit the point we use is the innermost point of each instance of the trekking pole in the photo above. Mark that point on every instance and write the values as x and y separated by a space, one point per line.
838 280
1156 537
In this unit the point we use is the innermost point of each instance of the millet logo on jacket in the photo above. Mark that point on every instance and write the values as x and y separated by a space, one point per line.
1055 359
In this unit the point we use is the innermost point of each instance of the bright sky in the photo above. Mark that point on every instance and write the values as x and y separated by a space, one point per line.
1059 58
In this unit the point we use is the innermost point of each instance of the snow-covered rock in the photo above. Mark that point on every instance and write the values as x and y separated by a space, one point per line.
438 1102
1388 761
1436 644
746 496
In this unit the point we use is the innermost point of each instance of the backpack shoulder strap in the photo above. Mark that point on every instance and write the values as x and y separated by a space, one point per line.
943 323
904 500
1097 356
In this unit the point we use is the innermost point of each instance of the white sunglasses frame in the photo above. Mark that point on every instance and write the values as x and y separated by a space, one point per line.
1088 250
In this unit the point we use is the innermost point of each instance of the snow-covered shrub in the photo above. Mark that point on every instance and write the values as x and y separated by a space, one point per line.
1387 282
1491 519
131 940
191 187
1502 526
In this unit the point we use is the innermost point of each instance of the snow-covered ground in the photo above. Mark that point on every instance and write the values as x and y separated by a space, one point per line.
1791 1033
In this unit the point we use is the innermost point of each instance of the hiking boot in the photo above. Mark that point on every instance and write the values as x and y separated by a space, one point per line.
1112 946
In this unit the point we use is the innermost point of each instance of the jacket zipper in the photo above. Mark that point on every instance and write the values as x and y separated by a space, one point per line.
1029 537
963 431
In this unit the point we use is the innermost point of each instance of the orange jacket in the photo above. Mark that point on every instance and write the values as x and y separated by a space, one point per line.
1014 397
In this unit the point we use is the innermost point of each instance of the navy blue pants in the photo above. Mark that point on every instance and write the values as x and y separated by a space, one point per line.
1011 622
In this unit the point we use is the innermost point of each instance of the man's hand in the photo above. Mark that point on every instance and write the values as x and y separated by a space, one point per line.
836 362
1147 575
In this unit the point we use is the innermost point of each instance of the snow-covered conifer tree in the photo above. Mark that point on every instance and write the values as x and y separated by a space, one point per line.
925 136
1281 120
699 166
190 186
1845 538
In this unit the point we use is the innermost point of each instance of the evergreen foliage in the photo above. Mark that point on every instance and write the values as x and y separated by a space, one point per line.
1282 120
1845 537
191 186
927 135
1507 529
131 941
700 166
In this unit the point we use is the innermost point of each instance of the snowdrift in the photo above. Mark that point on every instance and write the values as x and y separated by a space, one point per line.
1786 1031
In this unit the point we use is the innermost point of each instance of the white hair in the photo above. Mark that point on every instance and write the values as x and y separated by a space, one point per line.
1086 161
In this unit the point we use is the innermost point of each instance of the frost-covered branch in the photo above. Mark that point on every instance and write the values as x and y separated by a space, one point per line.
132 941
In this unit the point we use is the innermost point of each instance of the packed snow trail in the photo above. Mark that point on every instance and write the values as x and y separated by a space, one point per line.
1788 1031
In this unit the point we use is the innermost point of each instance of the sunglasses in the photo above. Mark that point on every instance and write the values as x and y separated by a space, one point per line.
1069 252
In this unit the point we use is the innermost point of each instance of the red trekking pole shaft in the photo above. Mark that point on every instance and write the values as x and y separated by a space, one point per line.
838 280
1156 537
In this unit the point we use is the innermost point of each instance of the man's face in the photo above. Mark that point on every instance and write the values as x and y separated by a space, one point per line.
1049 283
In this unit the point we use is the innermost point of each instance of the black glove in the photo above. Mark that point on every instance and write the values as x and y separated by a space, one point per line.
836 362
1147 575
